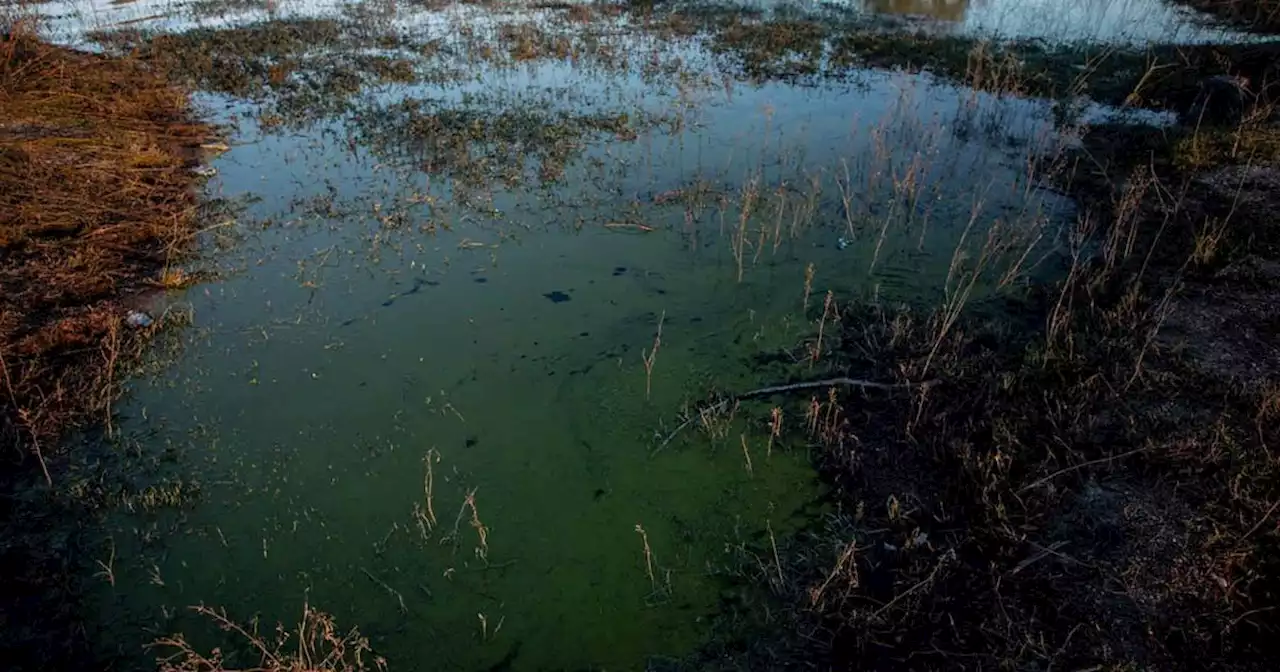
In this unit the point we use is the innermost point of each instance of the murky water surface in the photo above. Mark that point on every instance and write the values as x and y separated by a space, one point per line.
424 394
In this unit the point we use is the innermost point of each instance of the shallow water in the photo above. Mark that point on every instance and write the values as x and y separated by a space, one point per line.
1115 21
398 308
1062 20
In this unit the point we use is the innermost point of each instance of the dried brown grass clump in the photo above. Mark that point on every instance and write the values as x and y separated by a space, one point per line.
96 201
316 645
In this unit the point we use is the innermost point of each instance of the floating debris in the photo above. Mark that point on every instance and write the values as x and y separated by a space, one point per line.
205 171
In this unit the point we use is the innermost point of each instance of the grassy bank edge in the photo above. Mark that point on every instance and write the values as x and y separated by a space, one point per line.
98 211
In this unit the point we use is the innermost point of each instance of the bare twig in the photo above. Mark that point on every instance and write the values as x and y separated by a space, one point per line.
1082 465
949 555
1265 517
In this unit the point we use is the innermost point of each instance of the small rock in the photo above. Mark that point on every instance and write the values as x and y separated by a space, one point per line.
205 171
138 319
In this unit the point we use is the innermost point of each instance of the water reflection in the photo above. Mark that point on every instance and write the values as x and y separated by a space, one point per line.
1118 21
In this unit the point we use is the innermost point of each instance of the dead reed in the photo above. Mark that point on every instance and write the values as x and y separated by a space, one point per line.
775 428
828 311
315 644
648 558
482 532
650 357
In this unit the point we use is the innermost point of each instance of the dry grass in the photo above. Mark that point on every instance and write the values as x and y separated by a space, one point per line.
315 645
1084 494
96 204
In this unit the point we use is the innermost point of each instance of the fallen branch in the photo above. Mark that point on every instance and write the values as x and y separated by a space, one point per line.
719 406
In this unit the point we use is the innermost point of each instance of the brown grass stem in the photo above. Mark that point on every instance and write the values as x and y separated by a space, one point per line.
651 356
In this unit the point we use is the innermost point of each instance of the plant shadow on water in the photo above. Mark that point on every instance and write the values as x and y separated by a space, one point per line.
462 312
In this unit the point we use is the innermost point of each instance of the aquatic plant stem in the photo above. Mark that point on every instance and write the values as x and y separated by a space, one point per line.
428 488
22 415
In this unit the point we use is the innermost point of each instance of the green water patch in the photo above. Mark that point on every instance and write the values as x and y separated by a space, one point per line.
449 424
536 424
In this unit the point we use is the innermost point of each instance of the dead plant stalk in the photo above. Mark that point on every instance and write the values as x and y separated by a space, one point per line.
651 356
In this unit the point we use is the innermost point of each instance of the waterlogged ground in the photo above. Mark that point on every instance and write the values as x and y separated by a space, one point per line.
471 268
1112 21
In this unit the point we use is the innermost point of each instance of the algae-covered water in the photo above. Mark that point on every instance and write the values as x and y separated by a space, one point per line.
453 322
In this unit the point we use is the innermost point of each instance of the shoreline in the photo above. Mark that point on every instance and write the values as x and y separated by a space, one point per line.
98 208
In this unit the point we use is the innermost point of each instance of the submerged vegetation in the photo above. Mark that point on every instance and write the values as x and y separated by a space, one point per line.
1062 457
